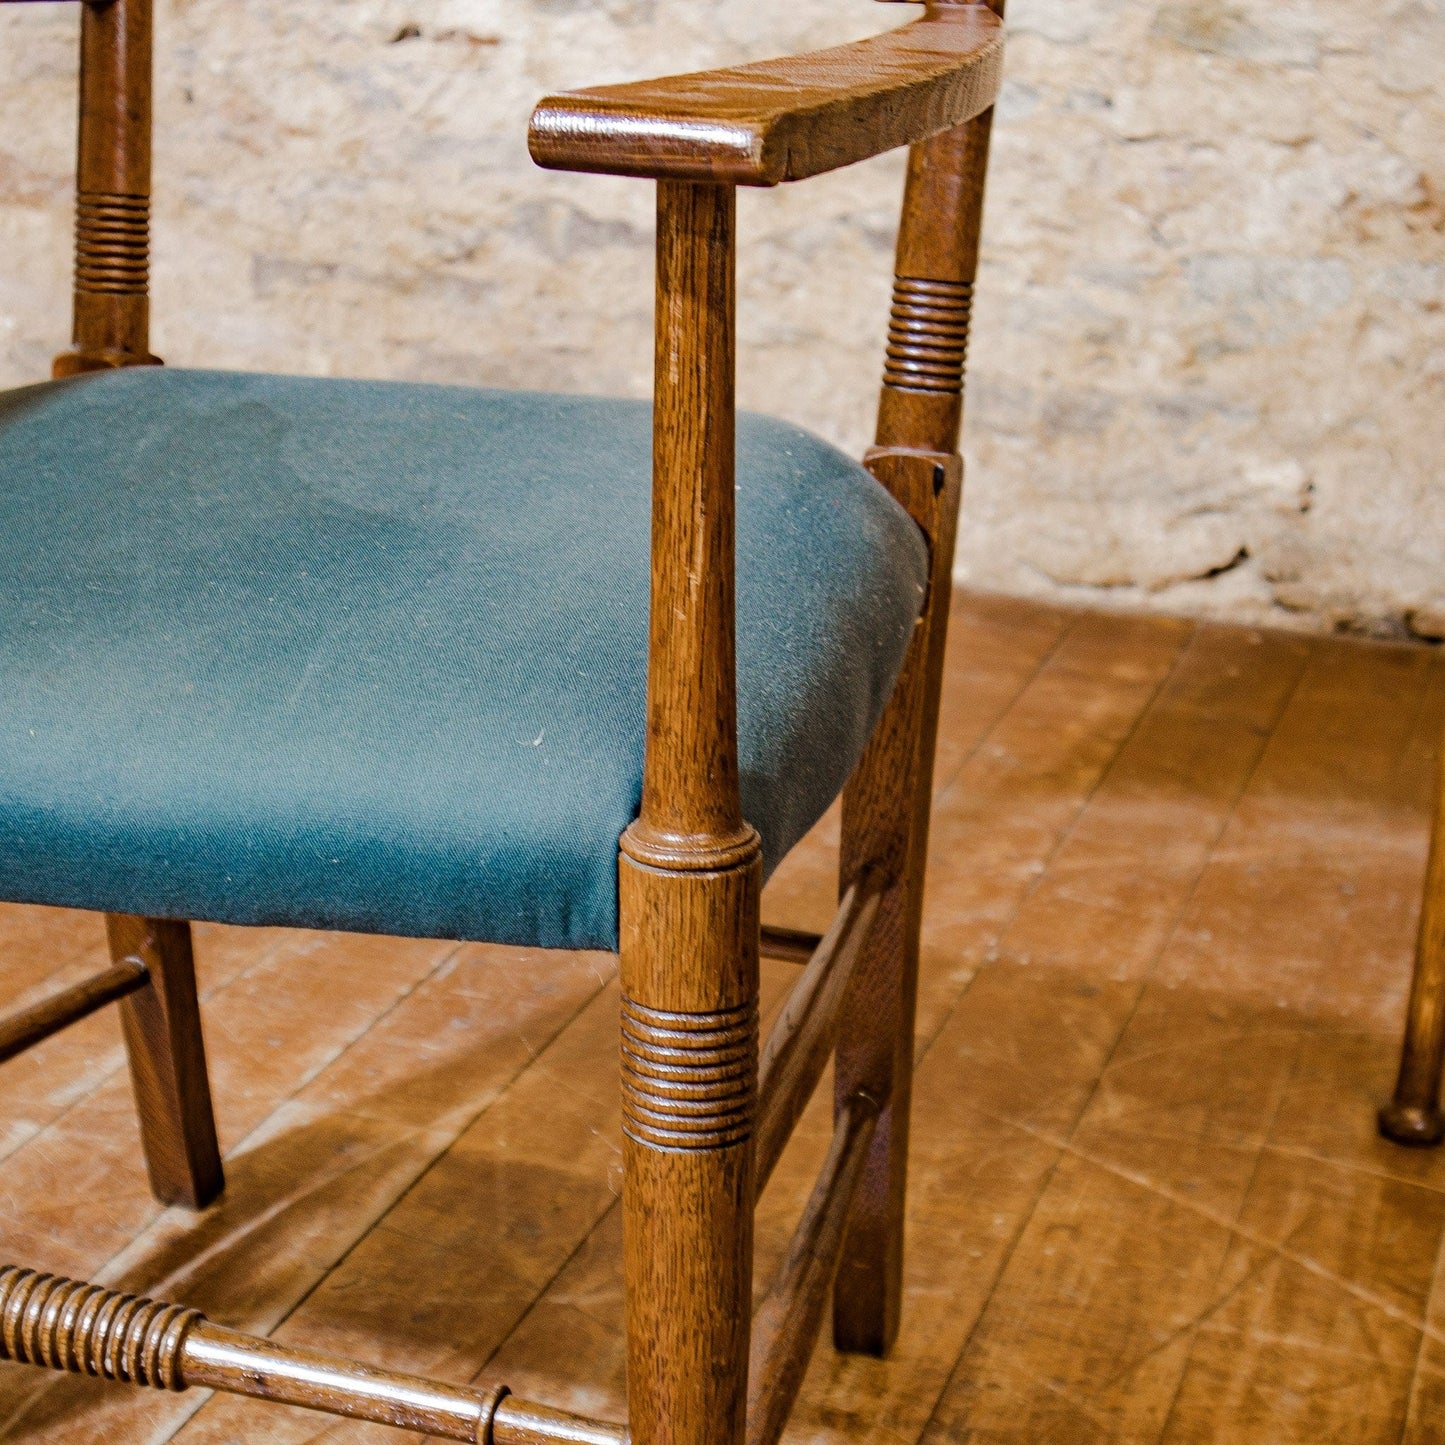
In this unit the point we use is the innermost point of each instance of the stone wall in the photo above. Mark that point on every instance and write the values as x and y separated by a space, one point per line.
1209 359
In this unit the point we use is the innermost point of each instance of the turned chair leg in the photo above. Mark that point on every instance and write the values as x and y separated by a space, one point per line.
689 1072
162 1027
1413 1116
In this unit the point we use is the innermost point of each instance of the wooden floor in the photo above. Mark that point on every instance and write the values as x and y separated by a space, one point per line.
1175 876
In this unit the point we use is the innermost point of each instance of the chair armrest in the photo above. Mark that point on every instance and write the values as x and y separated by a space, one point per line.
782 120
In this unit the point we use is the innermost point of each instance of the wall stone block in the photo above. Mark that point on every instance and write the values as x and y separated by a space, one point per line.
1208 371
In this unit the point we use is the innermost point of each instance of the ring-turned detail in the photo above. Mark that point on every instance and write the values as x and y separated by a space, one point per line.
689 1080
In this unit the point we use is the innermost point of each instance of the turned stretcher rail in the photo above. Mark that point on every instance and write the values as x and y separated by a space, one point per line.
28 1027
790 945
802 1039
64 1324
785 1324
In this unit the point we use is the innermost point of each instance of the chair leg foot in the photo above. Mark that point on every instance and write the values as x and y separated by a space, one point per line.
162 1027
1414 1125
868 1289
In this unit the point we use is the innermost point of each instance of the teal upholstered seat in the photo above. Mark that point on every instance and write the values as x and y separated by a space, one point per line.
372 656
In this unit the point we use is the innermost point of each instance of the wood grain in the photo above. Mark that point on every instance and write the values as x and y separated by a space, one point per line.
781 120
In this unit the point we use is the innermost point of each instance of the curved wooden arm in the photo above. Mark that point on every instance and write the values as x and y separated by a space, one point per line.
782 120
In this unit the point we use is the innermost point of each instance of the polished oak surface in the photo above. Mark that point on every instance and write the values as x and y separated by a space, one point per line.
782 120
1171 910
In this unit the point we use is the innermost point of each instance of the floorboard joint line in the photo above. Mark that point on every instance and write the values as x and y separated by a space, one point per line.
942 790
532 1062
1235 1229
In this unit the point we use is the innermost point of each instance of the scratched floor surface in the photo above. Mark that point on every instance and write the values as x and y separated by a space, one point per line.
1175 877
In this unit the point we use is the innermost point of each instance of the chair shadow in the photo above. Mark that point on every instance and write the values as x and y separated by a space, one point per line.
242 1260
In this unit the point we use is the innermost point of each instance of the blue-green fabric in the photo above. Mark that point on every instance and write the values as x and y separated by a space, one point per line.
372 656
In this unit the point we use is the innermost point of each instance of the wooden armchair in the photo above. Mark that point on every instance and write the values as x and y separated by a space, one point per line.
372 656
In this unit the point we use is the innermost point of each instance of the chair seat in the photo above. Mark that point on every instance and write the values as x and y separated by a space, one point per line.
372 656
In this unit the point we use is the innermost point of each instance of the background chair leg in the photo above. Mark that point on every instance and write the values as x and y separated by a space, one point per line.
1413 1116
162 1026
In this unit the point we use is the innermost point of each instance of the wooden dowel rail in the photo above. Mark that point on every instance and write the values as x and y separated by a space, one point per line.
789 945
802 1038
785 1325
63 1324
521 1422
28 1027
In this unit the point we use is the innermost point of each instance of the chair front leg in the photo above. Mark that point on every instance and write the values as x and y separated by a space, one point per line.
162 1026
689 1088
690 878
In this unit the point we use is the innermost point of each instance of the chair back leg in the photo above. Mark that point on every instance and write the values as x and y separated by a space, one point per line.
886 804
162 1026
885 825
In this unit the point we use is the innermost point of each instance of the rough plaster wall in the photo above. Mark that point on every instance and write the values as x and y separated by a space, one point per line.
1209 358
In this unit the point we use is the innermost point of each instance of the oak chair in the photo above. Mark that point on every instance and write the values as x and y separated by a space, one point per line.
1413 1116
372 656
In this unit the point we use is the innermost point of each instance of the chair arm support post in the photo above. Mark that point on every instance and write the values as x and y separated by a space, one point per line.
886 805
691 815
690 880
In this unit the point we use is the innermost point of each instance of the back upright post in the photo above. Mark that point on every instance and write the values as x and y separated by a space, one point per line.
689 885
113 190
111 328
886 804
